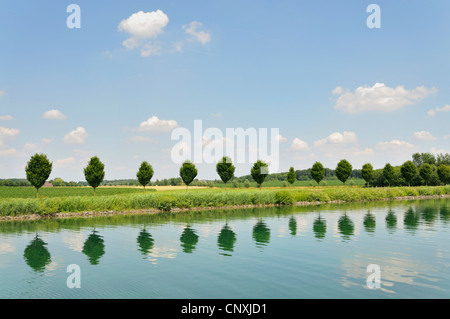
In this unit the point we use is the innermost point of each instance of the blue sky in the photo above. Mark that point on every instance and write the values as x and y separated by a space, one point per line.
334 88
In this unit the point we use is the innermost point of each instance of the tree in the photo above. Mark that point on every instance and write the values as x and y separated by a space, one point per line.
443 159
425 172
367 172
443 172
317 172
388 173
145 173
417 159
38 170
343 170
259 172
247 183
408 170
225 169
94 172
291 176
188 172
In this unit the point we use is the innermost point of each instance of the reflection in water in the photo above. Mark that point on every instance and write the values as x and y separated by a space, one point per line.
293 226
261 234
320 227
369 222
411 220
429 214
94 248
346 227
444 213
226 240
188 240
145 242
36 254
391 221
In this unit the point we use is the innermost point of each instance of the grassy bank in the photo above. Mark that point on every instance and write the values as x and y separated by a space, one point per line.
166 201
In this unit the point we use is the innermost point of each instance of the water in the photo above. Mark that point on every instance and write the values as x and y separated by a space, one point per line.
290 252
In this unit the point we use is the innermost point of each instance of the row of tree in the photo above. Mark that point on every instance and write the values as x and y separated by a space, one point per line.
423 167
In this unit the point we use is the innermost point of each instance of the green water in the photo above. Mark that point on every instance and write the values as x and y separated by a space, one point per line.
289 252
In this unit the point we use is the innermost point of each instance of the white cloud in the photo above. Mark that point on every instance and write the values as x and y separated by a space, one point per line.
299 145
338 90
6 118
29 147
280 138
62 163
446 137
216 115
54 115
47 141
379 97
365 152
154 124
197 35
6 134
142 139
8 152
423 136
177 47
338 138
394 145
148 49
433 112
145 24
2 93
436 151
78 136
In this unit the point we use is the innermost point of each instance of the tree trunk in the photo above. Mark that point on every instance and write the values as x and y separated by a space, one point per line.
37 192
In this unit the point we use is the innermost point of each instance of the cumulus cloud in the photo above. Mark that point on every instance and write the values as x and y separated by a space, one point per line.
379 97
2 93
364 152
193 29
6 134
77 136
423 136
6 118
446 137
433 112
154 124
54 115
8 152
62 163
47 141
280 139
142 26
299 145
338 138
394 145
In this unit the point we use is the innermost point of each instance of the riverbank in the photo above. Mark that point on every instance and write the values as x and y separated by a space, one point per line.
182 201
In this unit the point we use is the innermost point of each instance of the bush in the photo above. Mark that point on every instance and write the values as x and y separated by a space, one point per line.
283 198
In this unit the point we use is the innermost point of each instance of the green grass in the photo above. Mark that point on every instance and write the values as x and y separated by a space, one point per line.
134 199
331 182
47 192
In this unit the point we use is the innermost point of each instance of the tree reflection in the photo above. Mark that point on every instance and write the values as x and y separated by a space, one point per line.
226 239
293 226
320 227
189 240
36 254
346 227
429 214
391 221
145 242
411 220
369 222
94 248
444 213
261 234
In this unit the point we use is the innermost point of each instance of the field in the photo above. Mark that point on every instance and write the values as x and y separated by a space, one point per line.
330 182
13 200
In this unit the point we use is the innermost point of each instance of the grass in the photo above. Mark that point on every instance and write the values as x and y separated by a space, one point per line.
135 199
330 182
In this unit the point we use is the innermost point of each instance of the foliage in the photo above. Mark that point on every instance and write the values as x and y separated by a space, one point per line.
409 170
225 169
38 170
388 173
291 176
317 172
259 172
94 172
425 172
367 172
188 172
145 173
343 170
443 172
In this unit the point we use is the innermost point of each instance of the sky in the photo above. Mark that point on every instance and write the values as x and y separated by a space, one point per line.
117 86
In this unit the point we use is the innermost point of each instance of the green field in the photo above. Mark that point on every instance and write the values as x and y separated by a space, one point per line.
277 183
124 199
45 192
